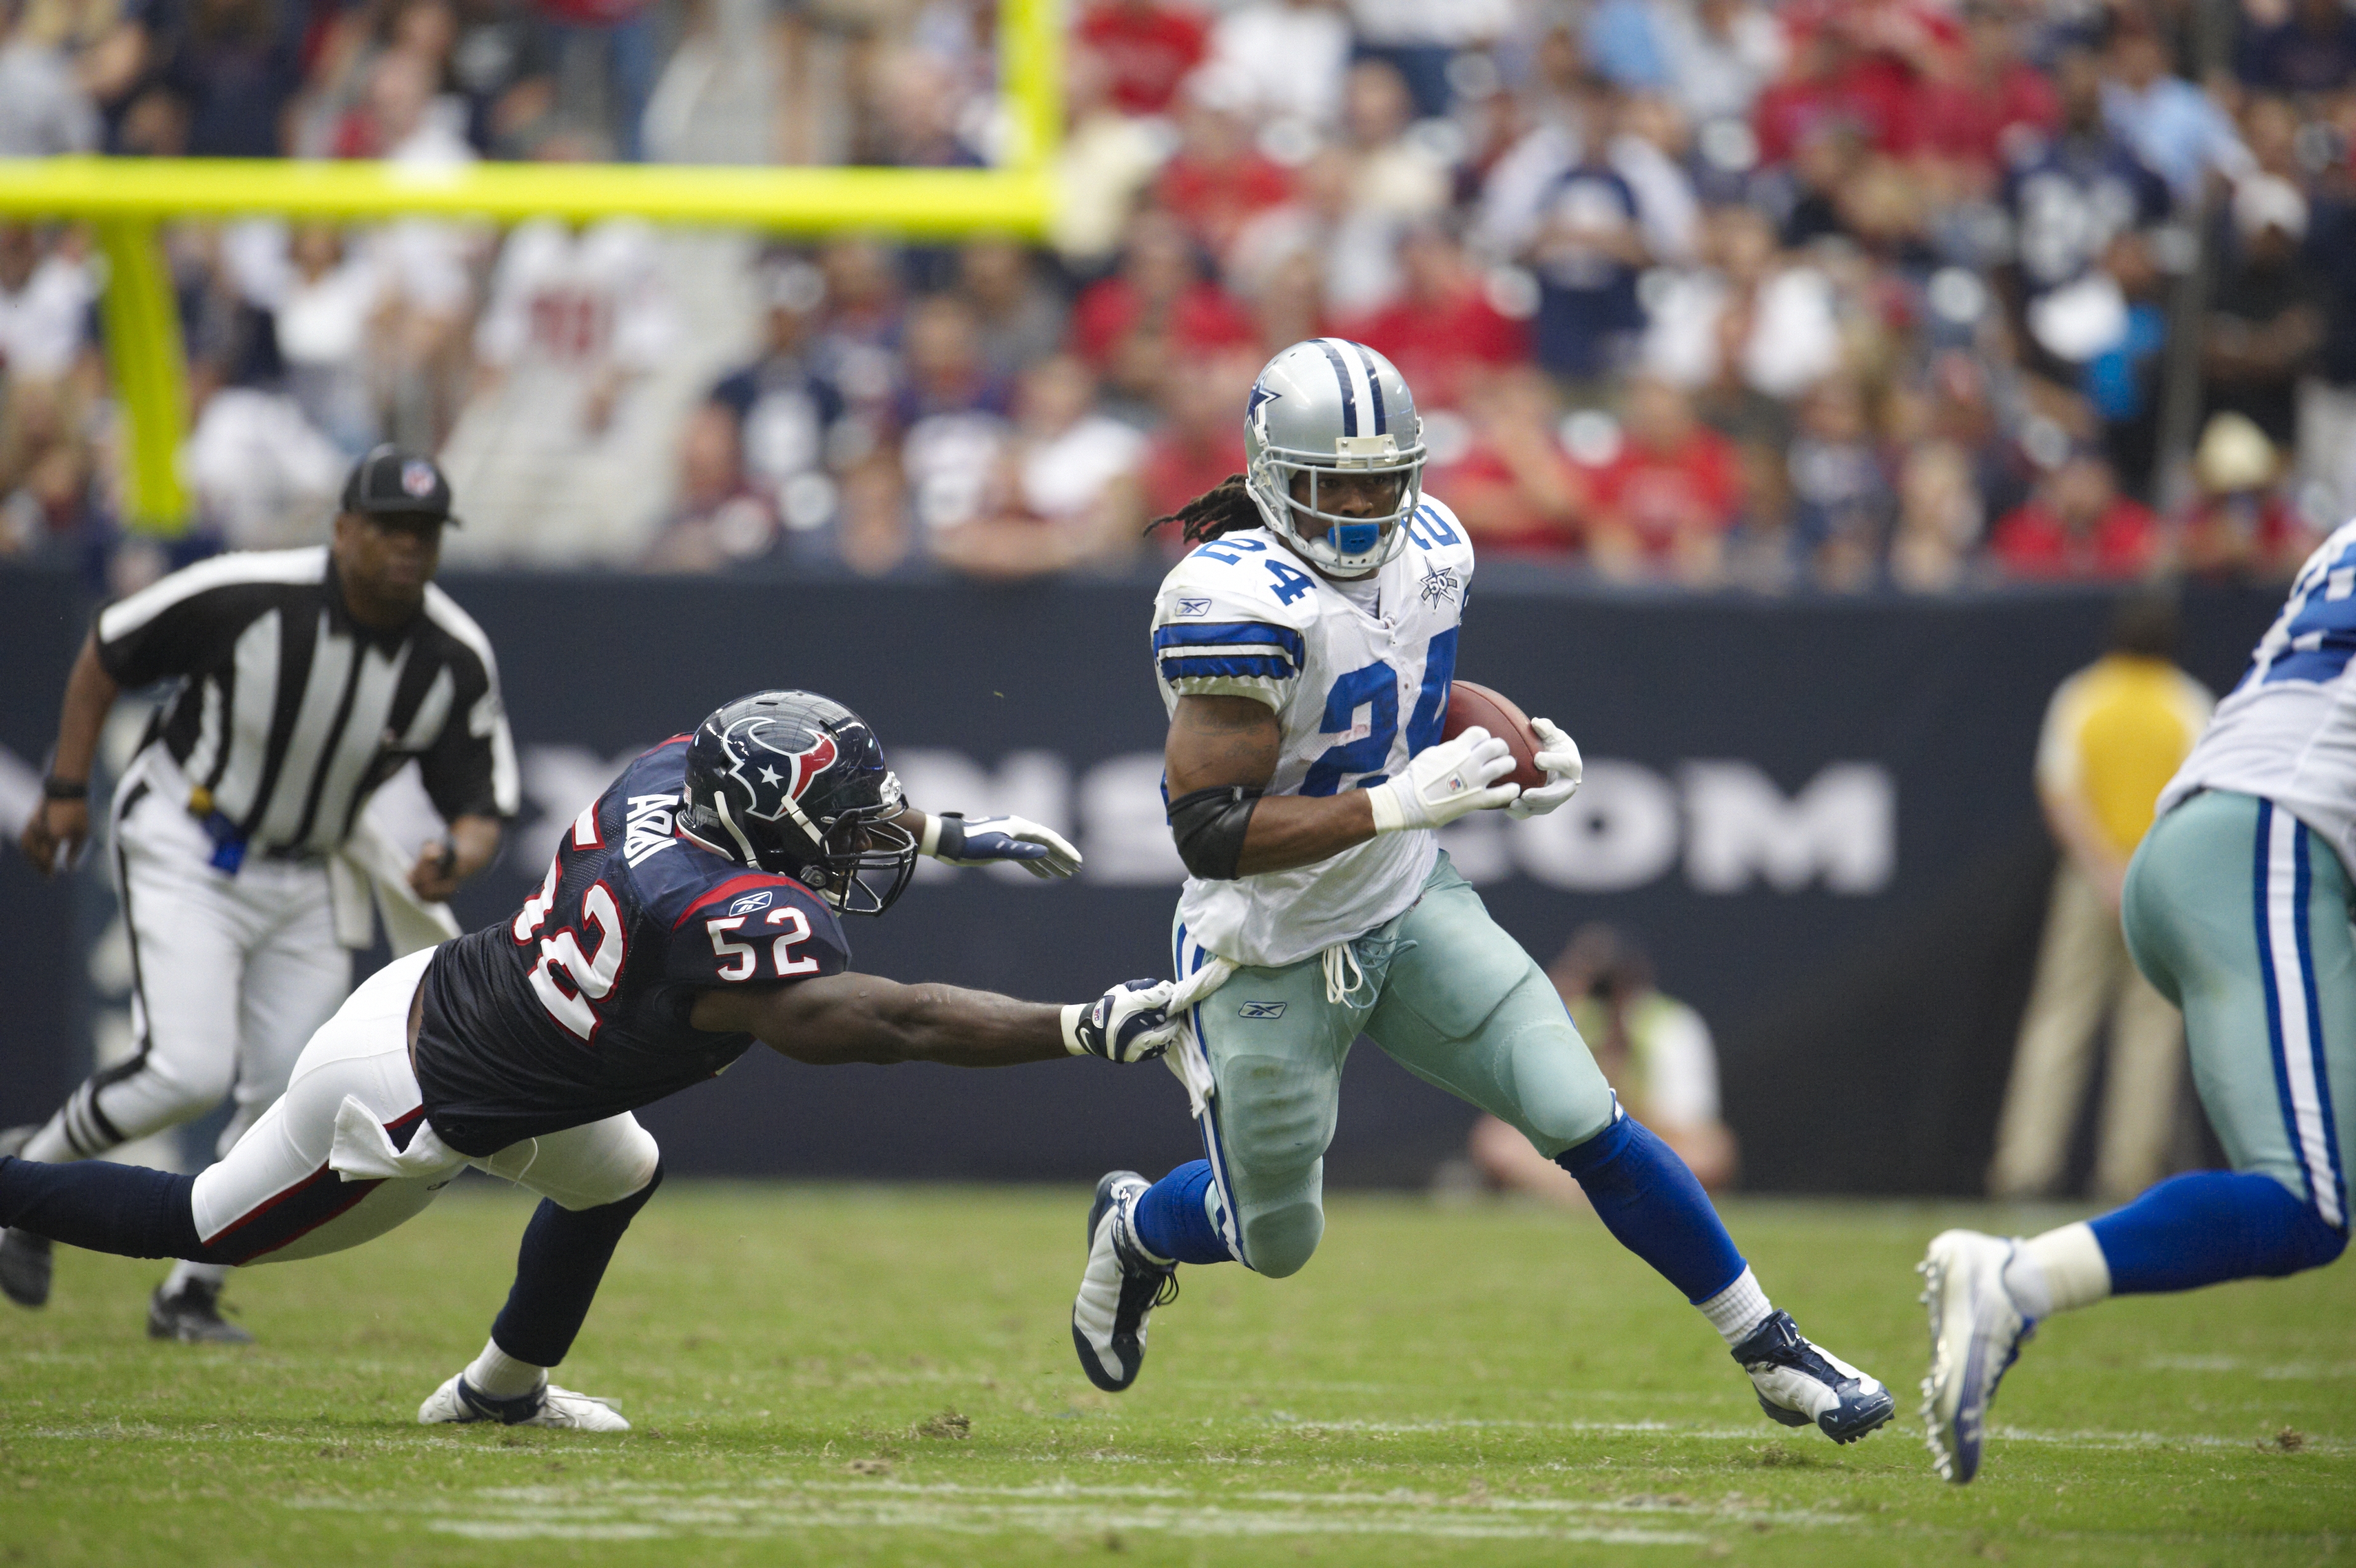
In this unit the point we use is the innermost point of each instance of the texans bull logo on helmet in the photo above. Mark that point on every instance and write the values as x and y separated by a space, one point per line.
796 783
757 767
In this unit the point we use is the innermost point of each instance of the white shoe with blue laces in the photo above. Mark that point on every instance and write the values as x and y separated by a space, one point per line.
1976 1330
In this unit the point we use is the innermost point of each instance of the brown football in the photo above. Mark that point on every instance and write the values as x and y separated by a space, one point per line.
1470 704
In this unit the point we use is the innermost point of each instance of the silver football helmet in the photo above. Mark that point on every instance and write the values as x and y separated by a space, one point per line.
1328 405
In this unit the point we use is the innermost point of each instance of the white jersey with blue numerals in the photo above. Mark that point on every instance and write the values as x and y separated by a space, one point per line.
1357 691
2287 732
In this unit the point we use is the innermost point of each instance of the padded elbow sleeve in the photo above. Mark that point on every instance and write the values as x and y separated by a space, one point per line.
1209 825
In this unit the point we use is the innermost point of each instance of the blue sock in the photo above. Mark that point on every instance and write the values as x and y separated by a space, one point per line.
2206 1226
558 1267
1172 1222
1650 1202
128 1210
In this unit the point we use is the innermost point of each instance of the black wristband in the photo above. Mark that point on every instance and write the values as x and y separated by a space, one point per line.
950 842
56 788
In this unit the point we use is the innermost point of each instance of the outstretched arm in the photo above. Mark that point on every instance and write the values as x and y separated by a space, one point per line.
841 1018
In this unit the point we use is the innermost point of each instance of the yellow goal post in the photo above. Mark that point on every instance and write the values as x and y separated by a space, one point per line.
124 200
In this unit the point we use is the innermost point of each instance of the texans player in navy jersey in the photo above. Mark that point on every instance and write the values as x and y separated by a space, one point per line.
693 909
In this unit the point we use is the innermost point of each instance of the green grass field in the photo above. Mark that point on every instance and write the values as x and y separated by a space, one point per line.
855 1375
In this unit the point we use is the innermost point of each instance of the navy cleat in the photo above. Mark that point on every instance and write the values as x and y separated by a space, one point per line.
192 1317
25 1260
1977 1330
24 1266
1123 1284
1800 1385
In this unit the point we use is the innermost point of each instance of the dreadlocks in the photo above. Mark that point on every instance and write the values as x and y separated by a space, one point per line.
1223 509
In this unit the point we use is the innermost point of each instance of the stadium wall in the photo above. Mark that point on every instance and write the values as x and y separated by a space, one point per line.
1818 815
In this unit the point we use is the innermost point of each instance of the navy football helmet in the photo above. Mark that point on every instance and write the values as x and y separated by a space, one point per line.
794 783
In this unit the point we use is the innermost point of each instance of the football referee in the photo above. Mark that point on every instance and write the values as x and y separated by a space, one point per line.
306 679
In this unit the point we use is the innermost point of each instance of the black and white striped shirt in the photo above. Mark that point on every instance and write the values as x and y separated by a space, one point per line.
290 713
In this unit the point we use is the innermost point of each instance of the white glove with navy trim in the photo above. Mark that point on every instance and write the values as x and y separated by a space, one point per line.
1444 782
1558 755
954 840
1130 1023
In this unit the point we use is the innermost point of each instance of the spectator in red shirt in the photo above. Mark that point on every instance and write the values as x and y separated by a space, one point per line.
1982 93
1149 47
1441 332
1663 503
2076 524
1513 488
1218 180
1157 309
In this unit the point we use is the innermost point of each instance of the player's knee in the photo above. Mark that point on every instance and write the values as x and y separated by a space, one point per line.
1280 1240
636 1170
1562 1097
1273 1115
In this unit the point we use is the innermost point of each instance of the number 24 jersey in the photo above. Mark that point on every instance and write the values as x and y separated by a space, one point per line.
576 1009
1358 677
2286 733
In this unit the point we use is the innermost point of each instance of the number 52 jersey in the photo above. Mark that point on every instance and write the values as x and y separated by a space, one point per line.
1357 674
576 1009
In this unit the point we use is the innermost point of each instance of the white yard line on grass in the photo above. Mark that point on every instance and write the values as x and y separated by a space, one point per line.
644 1512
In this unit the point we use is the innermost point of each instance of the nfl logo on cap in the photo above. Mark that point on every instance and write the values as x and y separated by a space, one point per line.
417 478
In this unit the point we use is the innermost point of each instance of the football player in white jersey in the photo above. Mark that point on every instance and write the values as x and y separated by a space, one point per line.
2237 907
1305 651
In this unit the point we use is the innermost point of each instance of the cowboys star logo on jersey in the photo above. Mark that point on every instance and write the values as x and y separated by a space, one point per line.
1440 585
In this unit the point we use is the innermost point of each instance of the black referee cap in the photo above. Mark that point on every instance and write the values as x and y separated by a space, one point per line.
390 480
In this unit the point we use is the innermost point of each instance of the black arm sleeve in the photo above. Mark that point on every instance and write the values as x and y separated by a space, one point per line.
1209 825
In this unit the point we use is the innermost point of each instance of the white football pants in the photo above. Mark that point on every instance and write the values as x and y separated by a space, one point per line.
346 1155
230 976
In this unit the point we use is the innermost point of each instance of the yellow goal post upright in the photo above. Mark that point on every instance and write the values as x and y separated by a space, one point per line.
124 200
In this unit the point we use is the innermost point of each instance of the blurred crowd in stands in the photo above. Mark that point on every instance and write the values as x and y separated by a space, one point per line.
1835 295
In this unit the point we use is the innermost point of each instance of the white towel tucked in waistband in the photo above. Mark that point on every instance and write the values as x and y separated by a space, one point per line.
363 1150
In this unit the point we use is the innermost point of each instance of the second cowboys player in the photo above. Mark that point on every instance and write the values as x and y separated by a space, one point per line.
1305 651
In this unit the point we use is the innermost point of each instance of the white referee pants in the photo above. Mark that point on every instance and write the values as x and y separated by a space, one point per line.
299 1186
231 975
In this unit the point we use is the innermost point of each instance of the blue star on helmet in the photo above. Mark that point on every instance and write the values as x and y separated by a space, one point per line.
1260 395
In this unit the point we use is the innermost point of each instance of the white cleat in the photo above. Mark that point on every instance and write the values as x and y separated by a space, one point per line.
1977 1330
1122 1286
458 1402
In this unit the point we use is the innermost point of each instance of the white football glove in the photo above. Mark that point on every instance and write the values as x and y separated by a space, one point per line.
1130 1023
954 840
1445 783
1559 757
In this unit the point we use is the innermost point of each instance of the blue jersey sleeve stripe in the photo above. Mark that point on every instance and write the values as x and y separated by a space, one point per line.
1270 668
1217 633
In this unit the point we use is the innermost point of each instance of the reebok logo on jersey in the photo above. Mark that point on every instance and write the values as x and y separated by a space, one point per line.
751 902
1262 1010
1193 607
647 831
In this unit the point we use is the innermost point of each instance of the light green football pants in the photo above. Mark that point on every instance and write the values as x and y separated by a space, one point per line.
2238 913
1443 991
